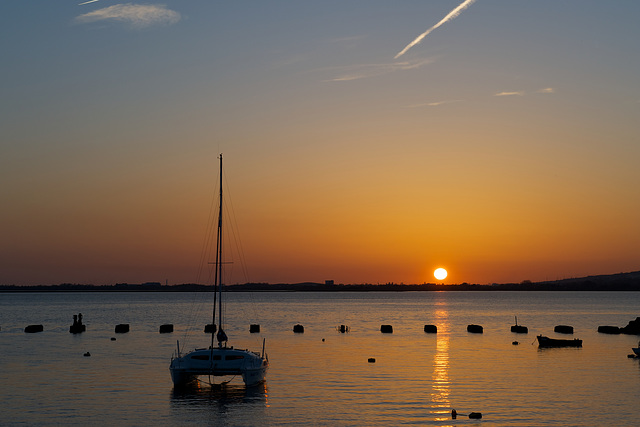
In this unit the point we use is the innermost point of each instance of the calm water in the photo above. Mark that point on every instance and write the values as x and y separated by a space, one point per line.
322 377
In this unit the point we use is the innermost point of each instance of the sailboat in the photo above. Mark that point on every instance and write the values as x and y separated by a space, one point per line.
220 359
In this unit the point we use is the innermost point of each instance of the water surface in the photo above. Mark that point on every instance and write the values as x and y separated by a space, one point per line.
323 377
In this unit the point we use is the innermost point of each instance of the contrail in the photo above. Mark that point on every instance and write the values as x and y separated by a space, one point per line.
454 13
87 2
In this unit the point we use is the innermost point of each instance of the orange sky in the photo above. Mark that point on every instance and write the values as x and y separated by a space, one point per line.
503 147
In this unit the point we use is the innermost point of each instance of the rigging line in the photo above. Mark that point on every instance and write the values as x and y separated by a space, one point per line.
237 240
203 272
207 239
235 231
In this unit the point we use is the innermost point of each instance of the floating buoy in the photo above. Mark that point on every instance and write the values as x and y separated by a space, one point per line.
298 328
563 329
472 415
210 329
254 328
122 328
519 329
474 329
515 343
33 329
386 329
322 339
613 330
87 354
372 360
167 328
431 329
113 338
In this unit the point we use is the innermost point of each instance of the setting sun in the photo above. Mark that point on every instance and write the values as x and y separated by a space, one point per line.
440 273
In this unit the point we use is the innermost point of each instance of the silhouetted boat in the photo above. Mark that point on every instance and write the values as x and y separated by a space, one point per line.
552 342
219 360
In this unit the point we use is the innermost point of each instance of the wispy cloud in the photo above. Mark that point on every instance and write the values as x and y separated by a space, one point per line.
520 93
433 104
137 16
362 71
451 15
523 93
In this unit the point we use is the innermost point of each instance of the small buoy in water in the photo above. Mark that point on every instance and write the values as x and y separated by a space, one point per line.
515 343
614 330
474 329
113 338
87 354
372 360
454 414
431 329
30 329
475 415
322 339
122 328
167 328
563 329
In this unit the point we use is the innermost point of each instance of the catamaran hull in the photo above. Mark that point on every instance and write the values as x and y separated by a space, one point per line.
249 377
219 362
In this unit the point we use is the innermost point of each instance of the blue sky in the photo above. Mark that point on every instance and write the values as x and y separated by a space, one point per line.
504 146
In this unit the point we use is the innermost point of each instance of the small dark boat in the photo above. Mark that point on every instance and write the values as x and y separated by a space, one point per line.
546 342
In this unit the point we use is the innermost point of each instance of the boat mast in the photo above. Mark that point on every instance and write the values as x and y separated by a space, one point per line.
221 336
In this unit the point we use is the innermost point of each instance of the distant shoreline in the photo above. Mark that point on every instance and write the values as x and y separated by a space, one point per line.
621 282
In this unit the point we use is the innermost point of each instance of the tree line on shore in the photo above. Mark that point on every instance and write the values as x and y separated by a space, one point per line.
612 282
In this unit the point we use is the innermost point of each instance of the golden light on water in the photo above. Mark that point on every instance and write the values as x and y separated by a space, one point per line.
440 377
440 273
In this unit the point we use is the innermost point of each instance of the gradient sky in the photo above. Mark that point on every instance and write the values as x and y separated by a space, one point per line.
504 147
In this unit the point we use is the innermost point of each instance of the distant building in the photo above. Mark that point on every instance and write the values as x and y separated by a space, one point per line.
328 282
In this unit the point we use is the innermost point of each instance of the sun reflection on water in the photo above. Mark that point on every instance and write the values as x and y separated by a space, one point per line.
440 378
